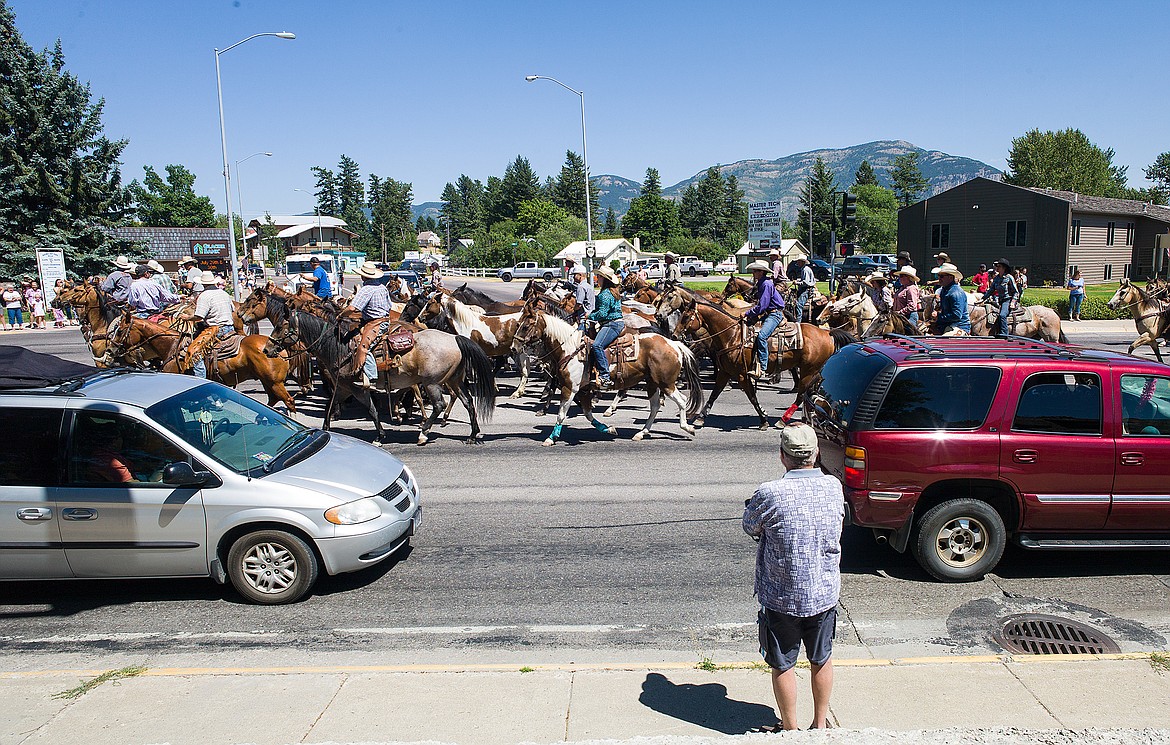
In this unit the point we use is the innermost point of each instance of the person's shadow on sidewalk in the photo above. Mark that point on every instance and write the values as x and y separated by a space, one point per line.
706 705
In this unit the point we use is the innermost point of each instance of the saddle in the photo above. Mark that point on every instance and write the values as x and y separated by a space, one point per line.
226 348
788 337
1017 314
624 349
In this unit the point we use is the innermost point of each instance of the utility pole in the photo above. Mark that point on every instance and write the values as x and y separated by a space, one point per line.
382 227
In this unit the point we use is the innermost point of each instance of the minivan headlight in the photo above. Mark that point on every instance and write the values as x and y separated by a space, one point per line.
352 513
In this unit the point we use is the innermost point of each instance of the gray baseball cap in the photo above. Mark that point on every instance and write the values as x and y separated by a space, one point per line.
798 440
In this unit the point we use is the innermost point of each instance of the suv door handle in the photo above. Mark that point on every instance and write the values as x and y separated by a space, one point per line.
1025 455
79 513
1132 459
34 514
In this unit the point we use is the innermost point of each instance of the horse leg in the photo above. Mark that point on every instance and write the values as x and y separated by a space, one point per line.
566 402
546 397
454 391
749 389
655 403
621 396
721 381
522 386
435 396
368 400
681 402
465 398
586 402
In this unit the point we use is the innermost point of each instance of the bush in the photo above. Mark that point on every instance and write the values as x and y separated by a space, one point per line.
1092 309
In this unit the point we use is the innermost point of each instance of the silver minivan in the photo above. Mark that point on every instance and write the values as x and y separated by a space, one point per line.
124 473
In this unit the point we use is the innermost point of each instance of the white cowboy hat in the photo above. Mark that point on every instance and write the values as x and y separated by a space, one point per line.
370 270
671 255
579 270
909 271
774 252
607 274
206 278
187 260
761 265
875 277
155 266
123 263
950 269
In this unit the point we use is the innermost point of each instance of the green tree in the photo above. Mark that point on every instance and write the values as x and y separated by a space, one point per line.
877 218
819 188
463 210
328 202
173 202
611 223
736 211
519 185
1159 173
567 190
351 195
651 218
60 183
537 214
865 175
267 237
391 231
907 179
1064 160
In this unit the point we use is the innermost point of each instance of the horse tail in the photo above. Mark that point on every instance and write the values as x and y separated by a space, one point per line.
301 369
690 373
1062 338
479 377
841 338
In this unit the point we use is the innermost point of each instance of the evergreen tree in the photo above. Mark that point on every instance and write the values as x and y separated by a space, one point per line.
652 184
60 183
736 214
328 202
1159 173
908 182
819 186
877 218
493 202
611 224
568 189
390 226
519 185
865 175
171 203
651 218
351 196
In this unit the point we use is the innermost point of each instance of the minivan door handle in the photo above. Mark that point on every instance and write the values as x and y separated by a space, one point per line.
1025 455
1132 459
34 514
79 513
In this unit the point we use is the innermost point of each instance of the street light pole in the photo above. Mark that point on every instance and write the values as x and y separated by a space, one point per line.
227 189
584 158
240 201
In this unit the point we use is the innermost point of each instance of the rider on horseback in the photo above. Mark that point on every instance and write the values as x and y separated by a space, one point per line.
117 283
146 296
584 295
609 316
1006 292
214 307
769 306
906 299
373 301
951 317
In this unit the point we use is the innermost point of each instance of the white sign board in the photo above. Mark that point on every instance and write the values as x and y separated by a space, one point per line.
411 255
50 267
764 224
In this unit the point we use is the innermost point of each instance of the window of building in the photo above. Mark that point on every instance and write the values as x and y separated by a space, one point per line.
1074 238
940 235
1073 268
1127 272
938 398
1129 234
1110 233
1017 233
1066 403
1108 271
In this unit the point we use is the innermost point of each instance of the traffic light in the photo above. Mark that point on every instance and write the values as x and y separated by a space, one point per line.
848 209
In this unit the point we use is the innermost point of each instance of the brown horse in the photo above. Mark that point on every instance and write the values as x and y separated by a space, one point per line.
1150 314
726 336
96 311
659 362
138 341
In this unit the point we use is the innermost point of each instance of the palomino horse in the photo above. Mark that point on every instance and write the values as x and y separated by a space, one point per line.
1150 314
863 317
659 361
436 359
1045 323
140 341
726 337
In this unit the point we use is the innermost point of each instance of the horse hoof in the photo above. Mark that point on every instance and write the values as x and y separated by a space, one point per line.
422 440
541 413
475 440
443 423
548 443
611 430
607 413
638 437
764 426
699 423
689 430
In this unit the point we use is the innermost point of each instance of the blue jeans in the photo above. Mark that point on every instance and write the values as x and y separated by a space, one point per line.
802 303
1074 305
605 336
913 318
14 316
767 328
370 366
1005 309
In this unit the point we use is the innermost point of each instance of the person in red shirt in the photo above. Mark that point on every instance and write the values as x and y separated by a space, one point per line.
107 463
982 279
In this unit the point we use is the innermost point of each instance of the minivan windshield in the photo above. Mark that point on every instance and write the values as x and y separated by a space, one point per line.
230 427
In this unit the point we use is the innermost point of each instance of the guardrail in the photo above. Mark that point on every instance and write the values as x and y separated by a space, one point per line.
467 271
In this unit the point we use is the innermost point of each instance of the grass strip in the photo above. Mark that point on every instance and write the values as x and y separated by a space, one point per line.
88 685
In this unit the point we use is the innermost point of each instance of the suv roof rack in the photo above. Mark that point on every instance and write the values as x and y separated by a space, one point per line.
985 346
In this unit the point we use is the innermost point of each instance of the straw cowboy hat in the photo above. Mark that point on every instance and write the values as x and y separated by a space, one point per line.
206 278
157 267
774 252
950 269
946 257
761 265
579 271
370 270
909 271
607 274
187 260
875 277
123 263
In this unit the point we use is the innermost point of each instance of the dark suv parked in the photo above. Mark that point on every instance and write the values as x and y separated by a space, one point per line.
951 446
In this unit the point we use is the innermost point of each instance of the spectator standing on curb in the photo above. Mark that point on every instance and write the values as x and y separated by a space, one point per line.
1076 295
12 304
36 304
982 279
798 520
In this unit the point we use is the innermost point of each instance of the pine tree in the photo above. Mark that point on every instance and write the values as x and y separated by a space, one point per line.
736 214
611 224
820 185
567 190
651 218
390 225
908 182
60 183
519 185
351 196
652 184
865 175
328 202
171 203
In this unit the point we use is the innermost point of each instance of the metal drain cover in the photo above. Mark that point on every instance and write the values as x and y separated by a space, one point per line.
1033 633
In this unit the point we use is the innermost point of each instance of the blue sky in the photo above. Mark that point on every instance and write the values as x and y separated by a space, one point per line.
425 91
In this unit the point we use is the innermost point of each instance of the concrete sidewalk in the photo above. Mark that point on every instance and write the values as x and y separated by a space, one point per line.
1119 698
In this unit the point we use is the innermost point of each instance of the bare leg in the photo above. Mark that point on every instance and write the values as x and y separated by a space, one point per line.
784 688
822 688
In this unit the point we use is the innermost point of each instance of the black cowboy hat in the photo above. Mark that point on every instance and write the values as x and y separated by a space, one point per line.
1004 263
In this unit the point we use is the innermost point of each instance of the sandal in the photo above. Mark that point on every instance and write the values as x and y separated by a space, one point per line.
769 729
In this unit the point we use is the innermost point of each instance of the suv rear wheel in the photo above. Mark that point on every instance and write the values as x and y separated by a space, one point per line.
960 540
271 567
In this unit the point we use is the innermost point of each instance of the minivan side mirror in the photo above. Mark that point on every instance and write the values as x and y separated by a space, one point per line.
180 473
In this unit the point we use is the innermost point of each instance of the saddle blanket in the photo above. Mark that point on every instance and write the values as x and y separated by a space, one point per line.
624 349
228 348
787 337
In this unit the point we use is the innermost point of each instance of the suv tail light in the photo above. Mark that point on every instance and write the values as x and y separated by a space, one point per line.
855 467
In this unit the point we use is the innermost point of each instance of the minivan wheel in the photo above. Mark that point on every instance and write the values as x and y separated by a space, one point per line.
960 540
271 567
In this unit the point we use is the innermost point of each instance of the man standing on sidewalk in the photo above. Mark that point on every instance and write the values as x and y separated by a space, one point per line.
798 521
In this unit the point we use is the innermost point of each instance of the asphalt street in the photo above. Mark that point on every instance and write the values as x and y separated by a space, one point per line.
599 545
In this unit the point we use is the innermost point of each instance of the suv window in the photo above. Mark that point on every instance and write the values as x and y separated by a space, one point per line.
107 449
30 453
1145 405
1066 403
938 398
844 380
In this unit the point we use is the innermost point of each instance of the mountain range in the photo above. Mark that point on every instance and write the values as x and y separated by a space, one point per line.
781 179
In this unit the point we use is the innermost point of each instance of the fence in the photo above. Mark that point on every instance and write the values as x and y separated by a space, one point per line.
467 271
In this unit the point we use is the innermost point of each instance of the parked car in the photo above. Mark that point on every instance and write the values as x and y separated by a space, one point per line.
727 266
693 266
858 266
821 269
889 261
410 278
124 473
953 446
528 270
655 269
414 265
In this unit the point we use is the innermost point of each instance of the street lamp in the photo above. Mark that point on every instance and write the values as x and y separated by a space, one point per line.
584 157
227 189
240 199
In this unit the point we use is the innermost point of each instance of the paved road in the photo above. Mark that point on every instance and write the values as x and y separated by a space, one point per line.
599 543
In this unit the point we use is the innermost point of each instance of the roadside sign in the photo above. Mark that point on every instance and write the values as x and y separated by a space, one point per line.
591 249
50 267
764 224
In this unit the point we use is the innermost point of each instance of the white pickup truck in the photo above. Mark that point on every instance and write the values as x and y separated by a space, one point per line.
692 266
528 270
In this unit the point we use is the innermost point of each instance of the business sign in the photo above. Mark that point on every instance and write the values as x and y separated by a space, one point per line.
50 267
212 256
764 224
411 255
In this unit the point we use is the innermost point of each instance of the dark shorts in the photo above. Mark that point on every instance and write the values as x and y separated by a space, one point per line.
782 634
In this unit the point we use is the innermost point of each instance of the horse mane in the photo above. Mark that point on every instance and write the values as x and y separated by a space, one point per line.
560 330
461 314
107 307
277 308
322 336
475 296
551 307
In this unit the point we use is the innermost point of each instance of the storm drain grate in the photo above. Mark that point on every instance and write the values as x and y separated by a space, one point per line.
1032 633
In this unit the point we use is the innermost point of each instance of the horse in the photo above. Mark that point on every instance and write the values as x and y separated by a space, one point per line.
96 311
743 288
659 361
1044 326
469 296
435 359
1150 314
726 336
859 311
140 341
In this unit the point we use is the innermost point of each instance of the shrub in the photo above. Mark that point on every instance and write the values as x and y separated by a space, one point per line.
1092 309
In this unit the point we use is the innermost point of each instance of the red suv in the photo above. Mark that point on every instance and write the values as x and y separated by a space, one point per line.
951 446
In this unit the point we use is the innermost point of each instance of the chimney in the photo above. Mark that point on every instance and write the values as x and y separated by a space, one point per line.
1076 198
637 245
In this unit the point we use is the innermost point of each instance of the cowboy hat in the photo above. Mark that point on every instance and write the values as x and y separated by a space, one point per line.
577 270
904 255
123 263
671 255
607 274
206 278
760 265
773 252
946 257
370 270
157 267
876 277
1007 267
187 260
909 271
950 269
